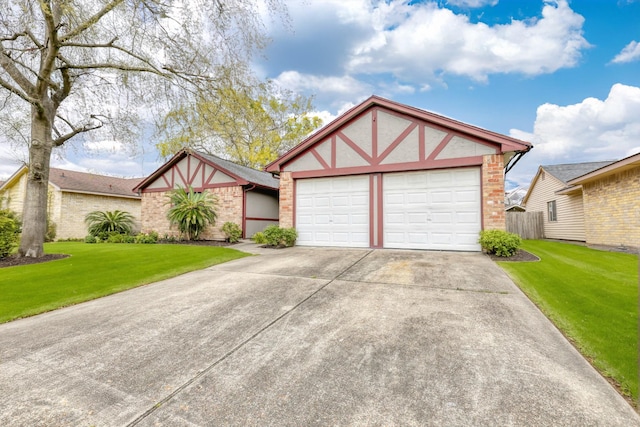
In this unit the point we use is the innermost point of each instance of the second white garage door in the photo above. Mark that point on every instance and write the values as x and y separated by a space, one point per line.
333 211
432 209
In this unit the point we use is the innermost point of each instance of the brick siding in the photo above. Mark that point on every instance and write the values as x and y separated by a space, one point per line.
286 200
493 214
612 209
229 209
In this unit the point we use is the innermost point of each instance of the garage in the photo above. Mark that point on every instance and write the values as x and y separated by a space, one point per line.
432 209
388 175
333 211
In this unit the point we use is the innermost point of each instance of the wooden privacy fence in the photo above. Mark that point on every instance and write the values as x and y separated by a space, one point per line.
527 225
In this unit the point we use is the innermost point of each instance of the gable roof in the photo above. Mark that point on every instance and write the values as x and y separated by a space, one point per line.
608 169
564 173
243 174
507 144
567 172
86 183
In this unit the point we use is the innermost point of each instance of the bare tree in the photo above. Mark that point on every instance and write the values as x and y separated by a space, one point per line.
83 68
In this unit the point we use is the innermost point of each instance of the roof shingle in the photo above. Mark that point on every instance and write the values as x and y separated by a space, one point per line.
82 182
567 172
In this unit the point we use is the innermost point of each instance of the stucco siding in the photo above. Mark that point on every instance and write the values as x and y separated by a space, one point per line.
612 209
569 208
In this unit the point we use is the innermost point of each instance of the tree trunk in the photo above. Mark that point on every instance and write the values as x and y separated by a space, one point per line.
34 210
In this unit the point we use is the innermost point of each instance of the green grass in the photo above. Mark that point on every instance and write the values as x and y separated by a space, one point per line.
93 271
592 296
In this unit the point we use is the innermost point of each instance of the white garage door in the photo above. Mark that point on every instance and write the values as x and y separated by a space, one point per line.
333 211
432 209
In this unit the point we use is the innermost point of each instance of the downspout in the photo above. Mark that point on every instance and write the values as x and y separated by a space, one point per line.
244 209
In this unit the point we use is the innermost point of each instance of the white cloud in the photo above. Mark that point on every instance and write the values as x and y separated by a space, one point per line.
333 89
472 3
421 41
591 130
630 53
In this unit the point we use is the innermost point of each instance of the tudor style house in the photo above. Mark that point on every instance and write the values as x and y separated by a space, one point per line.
72 195
246 197
387 175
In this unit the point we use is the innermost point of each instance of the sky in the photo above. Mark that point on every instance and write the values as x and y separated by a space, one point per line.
563 75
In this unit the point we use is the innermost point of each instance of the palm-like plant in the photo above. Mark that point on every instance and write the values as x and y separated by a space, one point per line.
109 222
192 212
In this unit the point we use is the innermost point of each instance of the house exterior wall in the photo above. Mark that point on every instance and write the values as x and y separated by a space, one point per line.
261 210
493 214
70 211
229 209
13 197
570 224
612 209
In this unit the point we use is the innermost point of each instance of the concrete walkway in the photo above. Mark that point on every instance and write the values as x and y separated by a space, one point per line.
304 337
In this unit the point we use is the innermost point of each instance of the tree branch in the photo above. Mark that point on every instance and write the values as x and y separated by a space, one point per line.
90 21
75 131
19 93
62 92
9 66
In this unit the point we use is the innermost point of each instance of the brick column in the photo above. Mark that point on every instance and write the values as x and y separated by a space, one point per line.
493 215
286 199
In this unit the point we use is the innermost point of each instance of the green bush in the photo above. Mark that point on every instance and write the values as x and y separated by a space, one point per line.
192 212
149 238
499 242
109 222
259 238
52 230
90 239
8 235
276 236
232 231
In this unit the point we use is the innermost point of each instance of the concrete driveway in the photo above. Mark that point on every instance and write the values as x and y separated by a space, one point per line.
303 337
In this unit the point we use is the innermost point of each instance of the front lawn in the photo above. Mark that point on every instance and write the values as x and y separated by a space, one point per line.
592 296
97 270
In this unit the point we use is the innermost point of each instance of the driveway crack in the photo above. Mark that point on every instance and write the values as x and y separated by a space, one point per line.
208 369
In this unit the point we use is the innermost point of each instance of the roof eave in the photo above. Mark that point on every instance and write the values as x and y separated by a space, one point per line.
615 167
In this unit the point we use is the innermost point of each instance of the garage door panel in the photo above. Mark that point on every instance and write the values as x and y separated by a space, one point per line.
338 214
434 210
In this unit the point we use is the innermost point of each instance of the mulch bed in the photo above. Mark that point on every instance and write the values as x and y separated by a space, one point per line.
14 261
520 255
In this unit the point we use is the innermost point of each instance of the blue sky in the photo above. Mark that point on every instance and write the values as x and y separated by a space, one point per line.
562 75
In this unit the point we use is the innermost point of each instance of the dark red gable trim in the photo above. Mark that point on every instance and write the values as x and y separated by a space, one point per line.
503 142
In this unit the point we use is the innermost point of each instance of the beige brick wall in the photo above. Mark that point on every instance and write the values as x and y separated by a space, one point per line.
612 209
155 207
68 211
13 197
493 214
286 200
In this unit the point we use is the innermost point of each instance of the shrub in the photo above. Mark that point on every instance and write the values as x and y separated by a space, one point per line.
116 238
150 238
499 242
192 212
8 235
52 229
232 231
100 222
276 236
259 238
90 239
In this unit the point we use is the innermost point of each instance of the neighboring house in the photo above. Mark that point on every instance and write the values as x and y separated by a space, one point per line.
246 197
611 198
513 199
386 175
562 206
72 195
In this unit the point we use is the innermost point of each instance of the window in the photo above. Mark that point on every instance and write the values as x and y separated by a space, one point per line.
551 210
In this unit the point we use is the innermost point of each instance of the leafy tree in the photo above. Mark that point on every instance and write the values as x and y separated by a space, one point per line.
192 212
94 69
250 125
106 222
